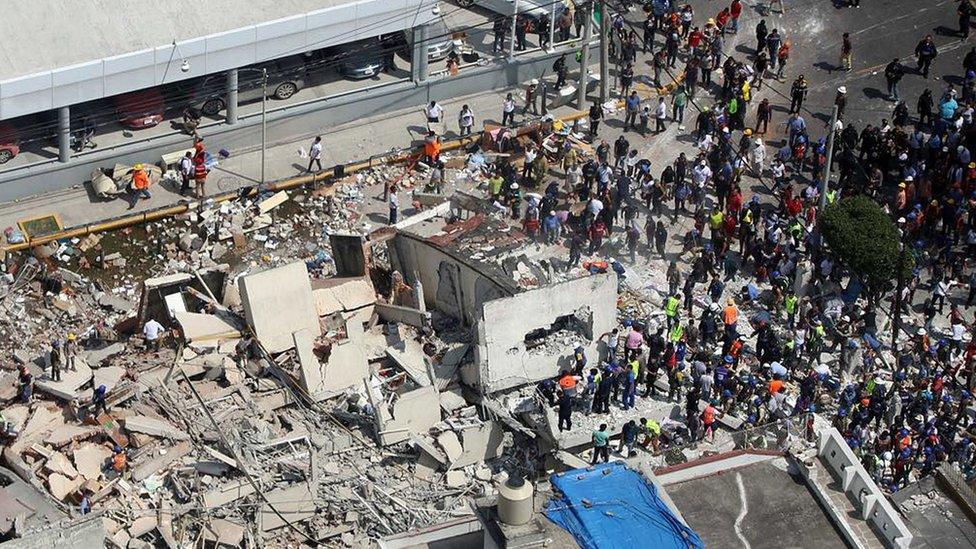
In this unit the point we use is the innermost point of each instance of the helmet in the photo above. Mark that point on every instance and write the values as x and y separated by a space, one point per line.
137 166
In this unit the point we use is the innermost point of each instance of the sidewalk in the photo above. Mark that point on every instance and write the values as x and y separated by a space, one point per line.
348 143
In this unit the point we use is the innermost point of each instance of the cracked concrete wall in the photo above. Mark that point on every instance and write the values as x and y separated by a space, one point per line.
501 355
419 259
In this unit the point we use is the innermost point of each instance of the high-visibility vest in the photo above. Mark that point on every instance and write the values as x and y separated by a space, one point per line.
791 303
677 332
671 306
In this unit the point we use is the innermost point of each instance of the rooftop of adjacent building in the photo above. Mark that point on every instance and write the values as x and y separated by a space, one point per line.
48 34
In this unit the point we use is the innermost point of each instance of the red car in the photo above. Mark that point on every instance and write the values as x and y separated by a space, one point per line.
9 142
140 109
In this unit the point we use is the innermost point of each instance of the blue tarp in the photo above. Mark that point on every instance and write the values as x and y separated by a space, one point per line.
621 509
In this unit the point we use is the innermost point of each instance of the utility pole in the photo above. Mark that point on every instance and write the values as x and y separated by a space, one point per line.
604 53
552 28
511 41
830 159
264 119
584 77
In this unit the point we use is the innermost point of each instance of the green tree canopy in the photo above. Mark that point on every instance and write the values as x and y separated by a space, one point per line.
863 237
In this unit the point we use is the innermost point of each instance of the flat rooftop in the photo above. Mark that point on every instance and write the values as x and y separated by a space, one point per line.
46 34
777 508
938 522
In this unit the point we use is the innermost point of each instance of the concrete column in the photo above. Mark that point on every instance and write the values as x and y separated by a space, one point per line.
231 96
64 134
418 61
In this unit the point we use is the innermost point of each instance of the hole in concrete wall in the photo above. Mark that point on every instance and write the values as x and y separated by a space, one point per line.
562 335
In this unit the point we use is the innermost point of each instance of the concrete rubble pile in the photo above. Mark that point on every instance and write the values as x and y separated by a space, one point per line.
338 387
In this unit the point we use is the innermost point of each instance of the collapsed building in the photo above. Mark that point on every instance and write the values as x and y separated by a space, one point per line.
388 400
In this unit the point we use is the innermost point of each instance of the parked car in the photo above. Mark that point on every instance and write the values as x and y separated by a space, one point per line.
440 44
9 142
358 60
285 78
532 8
140 109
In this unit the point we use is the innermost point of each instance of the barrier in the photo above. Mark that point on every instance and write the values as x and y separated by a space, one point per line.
874 506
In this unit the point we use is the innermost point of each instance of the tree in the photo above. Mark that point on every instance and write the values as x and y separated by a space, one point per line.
862 236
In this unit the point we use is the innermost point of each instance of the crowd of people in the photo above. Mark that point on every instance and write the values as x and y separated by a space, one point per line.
762 321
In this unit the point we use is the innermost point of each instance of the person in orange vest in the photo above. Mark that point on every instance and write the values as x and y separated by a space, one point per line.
432 148
200 176
708 421
730 316
567 383
119 460
139 188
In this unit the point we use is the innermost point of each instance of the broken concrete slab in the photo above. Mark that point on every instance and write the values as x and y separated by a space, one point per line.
71 381
142 526
108 376
480 444
59 463
90 459
273 202
412 414
403 315
310 370
154 427
411 359
295 503
66 434
223 532
227 493
204 327
97 356
449 442
277 303
347 365
61 486
147 468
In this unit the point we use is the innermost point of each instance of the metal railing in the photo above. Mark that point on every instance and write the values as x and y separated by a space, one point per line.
780 435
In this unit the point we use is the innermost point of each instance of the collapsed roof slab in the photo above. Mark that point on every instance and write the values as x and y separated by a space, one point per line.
277 303
506 355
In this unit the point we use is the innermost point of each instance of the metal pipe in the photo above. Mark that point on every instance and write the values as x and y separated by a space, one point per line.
64 134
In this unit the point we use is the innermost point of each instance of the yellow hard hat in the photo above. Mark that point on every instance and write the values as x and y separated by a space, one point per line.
71 337
747 131
137 166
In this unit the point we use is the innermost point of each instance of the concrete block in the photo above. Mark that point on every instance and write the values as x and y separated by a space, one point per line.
449 442
277 303
480 444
